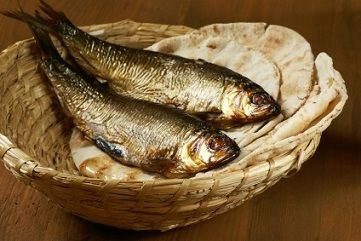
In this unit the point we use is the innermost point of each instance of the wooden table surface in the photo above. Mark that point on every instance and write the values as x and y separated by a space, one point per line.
321 202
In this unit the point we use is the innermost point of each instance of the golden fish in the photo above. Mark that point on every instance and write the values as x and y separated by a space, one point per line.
154 137
214 93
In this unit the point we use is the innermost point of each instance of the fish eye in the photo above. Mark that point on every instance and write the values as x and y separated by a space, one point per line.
260 99
218 142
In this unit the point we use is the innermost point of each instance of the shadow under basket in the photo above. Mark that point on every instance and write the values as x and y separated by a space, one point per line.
34 147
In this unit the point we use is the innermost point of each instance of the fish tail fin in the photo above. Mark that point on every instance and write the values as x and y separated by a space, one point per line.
44 43
54 18
53 21
35 21
39 29
27 18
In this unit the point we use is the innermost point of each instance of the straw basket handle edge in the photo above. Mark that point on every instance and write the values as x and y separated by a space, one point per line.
15 159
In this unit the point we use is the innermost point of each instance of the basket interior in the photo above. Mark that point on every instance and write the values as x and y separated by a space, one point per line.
31 116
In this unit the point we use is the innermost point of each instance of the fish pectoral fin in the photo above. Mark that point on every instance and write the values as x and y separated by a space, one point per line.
101 80
116 150
224 122
209 115
216 119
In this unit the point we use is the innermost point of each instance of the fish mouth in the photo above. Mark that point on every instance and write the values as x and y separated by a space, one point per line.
267 110
226 154
208 150
225 159
265 105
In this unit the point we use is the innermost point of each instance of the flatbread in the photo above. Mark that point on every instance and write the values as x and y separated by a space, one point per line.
324 92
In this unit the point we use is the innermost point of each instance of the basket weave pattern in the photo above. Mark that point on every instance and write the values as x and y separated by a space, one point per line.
34 147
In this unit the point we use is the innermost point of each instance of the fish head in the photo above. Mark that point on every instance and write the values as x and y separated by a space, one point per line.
249 104
208 149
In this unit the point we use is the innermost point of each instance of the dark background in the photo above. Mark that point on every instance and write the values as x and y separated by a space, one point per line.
321 202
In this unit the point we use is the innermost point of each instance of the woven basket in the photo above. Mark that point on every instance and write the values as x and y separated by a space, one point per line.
34 147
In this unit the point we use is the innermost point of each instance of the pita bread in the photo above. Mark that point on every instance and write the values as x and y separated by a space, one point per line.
324 92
